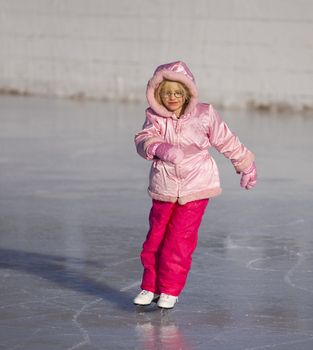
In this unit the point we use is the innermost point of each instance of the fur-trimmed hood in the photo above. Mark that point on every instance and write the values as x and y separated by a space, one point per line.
175 71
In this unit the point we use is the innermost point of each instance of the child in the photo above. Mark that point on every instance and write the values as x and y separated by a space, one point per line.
176 136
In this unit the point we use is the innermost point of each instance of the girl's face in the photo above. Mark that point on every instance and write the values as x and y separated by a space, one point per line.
173 97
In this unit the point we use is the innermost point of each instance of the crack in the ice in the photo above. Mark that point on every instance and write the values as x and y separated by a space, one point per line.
290 273
84 332
45 300
250 264
131 286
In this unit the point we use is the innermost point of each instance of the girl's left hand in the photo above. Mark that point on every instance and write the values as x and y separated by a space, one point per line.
249 177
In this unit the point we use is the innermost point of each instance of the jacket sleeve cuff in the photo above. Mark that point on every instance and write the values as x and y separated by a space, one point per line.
244 163
150 141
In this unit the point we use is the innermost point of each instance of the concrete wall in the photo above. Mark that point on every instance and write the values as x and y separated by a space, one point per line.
254 53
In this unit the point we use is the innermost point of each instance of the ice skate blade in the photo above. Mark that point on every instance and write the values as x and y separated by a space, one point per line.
141 305
153 301
165 308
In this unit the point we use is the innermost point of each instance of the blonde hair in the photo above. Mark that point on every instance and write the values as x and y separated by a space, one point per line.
182 88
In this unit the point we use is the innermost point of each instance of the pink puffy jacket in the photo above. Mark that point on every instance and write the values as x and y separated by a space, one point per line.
200 128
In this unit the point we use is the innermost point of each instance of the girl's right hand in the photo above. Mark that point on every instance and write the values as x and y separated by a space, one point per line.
166 152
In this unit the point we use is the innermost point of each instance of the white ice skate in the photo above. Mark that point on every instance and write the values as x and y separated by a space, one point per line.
167 301
145 298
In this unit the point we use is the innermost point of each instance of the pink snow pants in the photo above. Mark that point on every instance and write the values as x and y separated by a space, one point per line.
167 251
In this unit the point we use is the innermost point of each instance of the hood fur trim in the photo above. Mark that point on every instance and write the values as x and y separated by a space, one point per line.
175 71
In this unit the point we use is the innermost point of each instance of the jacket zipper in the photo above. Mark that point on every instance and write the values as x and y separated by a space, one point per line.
177 167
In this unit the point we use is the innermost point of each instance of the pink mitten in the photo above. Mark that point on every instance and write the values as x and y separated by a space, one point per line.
248 178
166 152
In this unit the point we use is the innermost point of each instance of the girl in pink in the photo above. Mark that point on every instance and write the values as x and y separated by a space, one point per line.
176 136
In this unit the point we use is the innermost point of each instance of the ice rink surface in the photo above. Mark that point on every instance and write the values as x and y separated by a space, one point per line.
73 216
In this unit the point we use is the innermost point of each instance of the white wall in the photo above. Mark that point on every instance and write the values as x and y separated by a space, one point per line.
242 52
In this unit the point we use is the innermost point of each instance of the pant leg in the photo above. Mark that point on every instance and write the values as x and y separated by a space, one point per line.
159 218
179 244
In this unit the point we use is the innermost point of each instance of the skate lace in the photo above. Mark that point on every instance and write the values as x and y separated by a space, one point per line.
144 292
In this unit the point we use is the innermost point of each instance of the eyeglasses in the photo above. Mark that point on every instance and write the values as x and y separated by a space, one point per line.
176 94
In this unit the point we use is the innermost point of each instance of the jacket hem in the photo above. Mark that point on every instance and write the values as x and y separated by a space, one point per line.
162 197
186 198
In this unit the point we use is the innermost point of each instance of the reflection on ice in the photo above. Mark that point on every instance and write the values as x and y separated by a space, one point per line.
164 335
